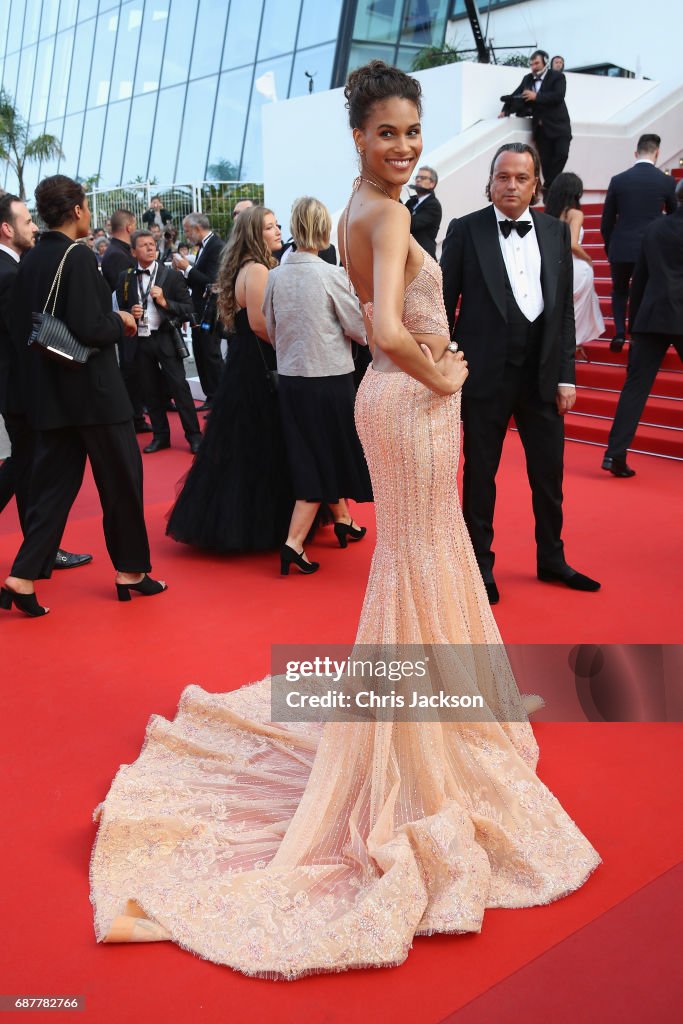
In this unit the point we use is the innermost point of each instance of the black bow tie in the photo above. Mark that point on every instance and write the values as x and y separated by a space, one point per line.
141 271
538 78
520 226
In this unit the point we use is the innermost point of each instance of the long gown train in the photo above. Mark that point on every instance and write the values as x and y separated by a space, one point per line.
287 849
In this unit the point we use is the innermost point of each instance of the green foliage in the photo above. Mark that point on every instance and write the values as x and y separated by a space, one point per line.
516 60
435 57
16 148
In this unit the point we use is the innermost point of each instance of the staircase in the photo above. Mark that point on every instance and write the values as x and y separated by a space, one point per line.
599 382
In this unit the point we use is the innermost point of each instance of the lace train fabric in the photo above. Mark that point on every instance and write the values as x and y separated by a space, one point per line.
288 849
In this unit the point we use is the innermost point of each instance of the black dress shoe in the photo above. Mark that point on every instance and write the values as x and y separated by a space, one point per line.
617 467
617 343
157 445
204 407
194 443
570 577
67 560
142 426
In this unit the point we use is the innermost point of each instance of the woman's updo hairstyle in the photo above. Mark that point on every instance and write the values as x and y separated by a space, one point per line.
378 81
56 197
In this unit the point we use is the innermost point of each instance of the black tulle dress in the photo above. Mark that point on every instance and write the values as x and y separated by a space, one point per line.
238 494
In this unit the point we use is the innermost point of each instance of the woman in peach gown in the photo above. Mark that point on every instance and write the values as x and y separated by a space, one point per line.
284 849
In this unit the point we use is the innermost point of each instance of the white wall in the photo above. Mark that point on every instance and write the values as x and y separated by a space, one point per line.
308 149
639 35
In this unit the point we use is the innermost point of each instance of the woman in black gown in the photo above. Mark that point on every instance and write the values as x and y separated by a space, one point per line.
238 494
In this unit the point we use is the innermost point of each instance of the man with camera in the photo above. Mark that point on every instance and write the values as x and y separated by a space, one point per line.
540 96
158 298
206 341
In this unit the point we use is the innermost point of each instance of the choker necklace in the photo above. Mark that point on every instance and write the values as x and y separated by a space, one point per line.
371 182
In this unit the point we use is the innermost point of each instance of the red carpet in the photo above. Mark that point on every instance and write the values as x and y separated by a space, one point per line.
80 685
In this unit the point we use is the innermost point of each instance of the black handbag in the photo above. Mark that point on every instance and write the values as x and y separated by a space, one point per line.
181 349
53 336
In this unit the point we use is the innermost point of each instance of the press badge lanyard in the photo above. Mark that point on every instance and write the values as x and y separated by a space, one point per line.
143 326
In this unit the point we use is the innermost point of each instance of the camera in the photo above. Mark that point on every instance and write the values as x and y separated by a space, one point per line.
516 105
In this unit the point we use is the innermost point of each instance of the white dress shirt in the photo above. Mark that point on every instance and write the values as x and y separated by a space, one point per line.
538 82
154 317
522 258
10 252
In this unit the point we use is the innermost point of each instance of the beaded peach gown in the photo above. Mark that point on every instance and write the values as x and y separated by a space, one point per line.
283 849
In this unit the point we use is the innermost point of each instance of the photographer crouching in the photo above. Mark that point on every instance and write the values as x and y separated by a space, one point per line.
159 299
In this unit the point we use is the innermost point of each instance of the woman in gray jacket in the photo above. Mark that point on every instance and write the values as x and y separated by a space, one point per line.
312 317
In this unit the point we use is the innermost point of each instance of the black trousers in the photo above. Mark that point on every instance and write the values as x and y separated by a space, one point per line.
127 349
162 373
621 286
56 479
206 346
541 429
554 154
645 358
15 472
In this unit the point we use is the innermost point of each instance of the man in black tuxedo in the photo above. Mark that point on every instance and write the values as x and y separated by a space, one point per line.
656 320
425 210
154 294
511 269
17 236
117 259
206 340
634 199
540 95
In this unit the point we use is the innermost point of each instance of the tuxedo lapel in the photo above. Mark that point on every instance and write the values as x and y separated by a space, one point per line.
549 244
485 237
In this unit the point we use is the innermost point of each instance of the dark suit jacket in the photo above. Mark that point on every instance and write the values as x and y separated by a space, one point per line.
329 255
657 286
149 215
63 394
117 258
171 282
549 112
634 199
425 221
204 271
9 355
474 272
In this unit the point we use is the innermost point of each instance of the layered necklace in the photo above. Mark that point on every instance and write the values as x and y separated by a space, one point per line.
369 181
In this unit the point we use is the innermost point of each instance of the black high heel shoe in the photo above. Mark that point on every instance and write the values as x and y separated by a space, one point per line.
26 603
344 532
147 587
288 556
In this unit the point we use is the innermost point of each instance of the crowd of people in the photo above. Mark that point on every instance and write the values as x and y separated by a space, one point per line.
280 453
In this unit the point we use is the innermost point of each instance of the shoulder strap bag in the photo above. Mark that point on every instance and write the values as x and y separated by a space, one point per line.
53 336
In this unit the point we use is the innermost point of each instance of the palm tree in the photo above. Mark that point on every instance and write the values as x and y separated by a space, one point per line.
16 148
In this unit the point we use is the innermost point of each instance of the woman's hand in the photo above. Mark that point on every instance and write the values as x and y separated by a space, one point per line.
453 368
130 326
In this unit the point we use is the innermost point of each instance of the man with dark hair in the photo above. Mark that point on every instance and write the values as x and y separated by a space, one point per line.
17 236
511 269
634 199
156 214
656 320
240 205
540 95
206 341
425 210
155 294
117 259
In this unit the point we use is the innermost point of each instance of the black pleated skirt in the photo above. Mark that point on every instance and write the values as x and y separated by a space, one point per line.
325 455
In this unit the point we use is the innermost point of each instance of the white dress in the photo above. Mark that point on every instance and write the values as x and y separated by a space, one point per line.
587 314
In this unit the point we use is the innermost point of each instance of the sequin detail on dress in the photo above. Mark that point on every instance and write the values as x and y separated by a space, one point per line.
424 311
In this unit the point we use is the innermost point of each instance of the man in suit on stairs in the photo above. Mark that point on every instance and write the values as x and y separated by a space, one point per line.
634 199
425 210
511 268
656 320
540 95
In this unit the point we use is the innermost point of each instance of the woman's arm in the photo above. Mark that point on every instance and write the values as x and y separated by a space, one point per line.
575 221
390 240
256 278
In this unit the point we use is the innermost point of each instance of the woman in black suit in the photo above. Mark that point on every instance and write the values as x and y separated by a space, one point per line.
78 411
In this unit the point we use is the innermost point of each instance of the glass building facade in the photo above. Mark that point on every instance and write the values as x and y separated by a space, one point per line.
172 90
